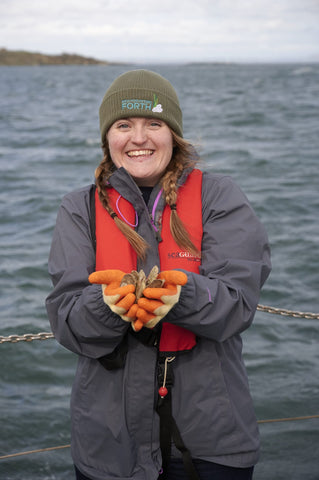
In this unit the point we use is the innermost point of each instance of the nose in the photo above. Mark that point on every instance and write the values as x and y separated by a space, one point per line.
139 134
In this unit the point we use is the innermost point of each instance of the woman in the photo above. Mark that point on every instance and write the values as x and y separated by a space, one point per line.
161 389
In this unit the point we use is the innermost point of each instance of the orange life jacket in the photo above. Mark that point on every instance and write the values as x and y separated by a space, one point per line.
113 251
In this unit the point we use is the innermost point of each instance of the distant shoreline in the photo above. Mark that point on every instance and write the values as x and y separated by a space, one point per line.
21 57
24 58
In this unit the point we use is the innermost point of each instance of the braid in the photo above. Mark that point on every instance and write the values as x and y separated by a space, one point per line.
102 174
185 156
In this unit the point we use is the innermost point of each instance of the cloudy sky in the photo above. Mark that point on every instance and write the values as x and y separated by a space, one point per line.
156 31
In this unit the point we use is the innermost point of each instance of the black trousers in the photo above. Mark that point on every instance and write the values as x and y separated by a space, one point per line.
206 471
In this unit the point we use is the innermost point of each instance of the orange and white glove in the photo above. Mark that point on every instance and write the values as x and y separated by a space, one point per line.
157 302
120 298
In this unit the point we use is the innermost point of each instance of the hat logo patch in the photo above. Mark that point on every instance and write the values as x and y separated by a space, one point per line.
142 105
157 107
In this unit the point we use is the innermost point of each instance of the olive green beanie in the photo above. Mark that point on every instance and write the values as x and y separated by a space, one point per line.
140 93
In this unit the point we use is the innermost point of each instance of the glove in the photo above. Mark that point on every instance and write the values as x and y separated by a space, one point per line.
118 295
157 302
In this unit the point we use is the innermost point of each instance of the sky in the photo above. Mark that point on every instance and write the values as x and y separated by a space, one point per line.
165 31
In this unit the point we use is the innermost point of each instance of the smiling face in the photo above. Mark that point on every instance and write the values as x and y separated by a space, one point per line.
143 146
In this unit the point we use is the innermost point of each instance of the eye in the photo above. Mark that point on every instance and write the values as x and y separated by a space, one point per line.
155 123
122 124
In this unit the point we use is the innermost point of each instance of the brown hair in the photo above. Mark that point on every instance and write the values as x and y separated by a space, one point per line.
184 157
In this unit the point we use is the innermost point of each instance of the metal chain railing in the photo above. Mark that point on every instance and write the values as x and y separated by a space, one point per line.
28 337
287 313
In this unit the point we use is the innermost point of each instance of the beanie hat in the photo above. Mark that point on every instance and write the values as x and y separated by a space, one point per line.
140 93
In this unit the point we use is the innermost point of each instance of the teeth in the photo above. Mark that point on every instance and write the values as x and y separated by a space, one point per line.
139 153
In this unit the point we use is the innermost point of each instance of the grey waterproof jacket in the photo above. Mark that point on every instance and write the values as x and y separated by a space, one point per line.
115 428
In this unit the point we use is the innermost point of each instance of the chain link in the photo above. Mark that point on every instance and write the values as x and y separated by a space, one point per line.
287 313
29 337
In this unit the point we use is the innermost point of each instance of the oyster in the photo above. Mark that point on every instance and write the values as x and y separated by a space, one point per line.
140 280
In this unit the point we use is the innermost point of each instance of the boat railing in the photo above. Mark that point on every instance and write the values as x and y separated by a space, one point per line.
29 337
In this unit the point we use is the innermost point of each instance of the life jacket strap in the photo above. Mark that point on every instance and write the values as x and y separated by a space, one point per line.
168 428
116 359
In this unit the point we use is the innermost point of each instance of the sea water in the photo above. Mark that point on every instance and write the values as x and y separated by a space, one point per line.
257 123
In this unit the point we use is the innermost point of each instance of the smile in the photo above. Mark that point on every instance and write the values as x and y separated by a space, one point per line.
139 153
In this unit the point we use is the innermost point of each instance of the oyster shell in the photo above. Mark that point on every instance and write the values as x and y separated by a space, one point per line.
141 282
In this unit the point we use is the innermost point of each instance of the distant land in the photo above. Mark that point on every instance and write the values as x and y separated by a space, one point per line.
21 57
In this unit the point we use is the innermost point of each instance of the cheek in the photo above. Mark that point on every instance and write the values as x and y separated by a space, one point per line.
114 143
168 153
115 148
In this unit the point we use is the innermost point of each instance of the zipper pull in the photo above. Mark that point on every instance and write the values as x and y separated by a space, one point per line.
158 236
157 232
